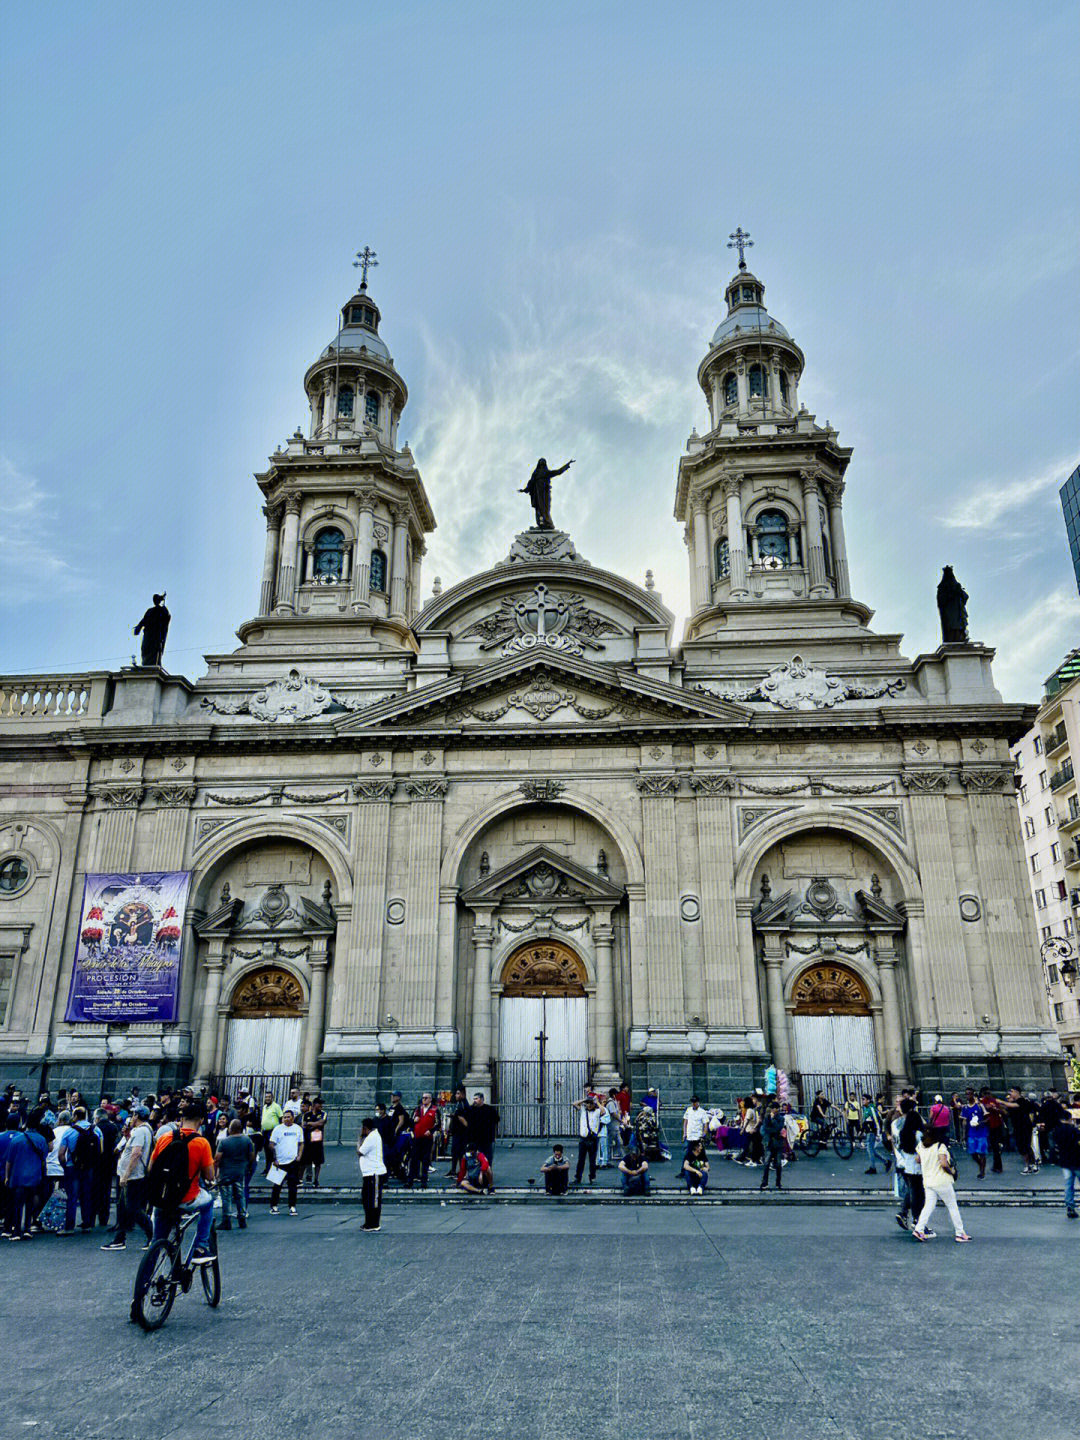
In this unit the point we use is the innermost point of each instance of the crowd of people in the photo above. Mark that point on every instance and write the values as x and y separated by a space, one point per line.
68 1167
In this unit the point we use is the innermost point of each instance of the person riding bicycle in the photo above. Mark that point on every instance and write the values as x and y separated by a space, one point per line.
819 1111
181 1180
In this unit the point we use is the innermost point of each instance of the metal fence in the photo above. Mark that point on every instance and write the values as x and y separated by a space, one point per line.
256 1084
536 1097
838 1086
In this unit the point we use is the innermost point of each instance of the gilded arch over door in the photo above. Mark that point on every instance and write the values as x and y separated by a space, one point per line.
269 991
829 988
543 967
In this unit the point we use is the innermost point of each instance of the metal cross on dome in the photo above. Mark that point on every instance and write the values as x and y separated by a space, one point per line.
740 240
365 261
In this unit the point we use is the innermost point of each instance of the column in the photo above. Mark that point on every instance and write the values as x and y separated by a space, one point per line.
774 998
939 969
702 568
775 402
316 1019
742 386
603 939
397 562
716 850
419 551
815 559
793 391
834 491
736 537
444 980
308 553
115 840
895 1063
715 384
286 587
206 1050
479 1076
361 595
744 928
270 558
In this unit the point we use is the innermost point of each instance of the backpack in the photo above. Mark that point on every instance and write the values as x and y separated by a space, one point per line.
87 1149
167 1179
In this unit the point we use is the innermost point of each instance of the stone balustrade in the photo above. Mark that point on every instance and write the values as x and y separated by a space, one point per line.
54 699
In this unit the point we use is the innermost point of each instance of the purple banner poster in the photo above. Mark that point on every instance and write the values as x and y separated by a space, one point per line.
127 956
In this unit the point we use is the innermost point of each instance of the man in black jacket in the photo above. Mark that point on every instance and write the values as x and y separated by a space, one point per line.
1066 1141
772 1137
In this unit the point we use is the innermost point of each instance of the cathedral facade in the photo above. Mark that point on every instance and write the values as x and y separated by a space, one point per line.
389 843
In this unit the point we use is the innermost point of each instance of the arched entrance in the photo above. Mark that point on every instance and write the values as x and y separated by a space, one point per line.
265 1032
833 1029
543 1052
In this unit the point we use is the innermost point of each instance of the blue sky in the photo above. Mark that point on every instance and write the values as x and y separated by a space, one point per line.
550 189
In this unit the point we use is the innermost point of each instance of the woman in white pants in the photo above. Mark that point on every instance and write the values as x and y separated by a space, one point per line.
938 1174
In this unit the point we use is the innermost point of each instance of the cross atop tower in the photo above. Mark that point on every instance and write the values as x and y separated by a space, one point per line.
365 261
740 240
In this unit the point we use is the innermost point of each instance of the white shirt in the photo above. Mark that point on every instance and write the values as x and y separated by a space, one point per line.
53 1169
286 1142
695 1121
588 1122
371 1160
137 1148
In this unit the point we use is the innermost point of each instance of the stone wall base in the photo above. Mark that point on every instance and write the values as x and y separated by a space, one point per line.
714 1082
950 1073
355 1086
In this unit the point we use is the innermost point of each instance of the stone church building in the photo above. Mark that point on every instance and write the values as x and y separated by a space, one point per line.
520 820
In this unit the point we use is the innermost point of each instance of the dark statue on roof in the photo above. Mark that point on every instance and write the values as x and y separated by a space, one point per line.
154 626
952 607
539 492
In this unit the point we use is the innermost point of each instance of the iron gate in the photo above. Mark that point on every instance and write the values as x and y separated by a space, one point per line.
535 1097
838 1086
257 1084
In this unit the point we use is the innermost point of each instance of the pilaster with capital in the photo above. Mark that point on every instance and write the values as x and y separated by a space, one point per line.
812 515
834 492
667 1003
773 961
213 971
603 937
273 515
316 1020
701 587
365 534
885 958
290 534
479 1076
398 574
420 978
355 1002
736 536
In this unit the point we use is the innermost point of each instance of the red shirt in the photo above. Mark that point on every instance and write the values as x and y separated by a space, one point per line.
200 1158
623 1097
484 1166
424 1121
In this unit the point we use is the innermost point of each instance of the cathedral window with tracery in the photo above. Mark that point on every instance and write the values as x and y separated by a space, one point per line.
329 555
759 384
731 389
723 559
371 408
345 402
378 570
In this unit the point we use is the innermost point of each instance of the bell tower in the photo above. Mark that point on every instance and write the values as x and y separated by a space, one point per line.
761 492
346 516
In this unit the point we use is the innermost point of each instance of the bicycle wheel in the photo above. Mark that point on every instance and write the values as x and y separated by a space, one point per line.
211 1275
844 1145
155 1289
810 1145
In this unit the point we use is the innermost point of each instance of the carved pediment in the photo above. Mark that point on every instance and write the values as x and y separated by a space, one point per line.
549 688
542 876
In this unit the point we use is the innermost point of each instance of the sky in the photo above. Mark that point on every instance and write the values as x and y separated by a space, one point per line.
550 189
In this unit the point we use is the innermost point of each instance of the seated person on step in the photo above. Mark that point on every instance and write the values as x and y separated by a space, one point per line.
474 1172
556 1172
634 1169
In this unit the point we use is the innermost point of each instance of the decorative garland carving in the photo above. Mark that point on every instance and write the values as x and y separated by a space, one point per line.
775 789
297 697
800 685
546 917
541 700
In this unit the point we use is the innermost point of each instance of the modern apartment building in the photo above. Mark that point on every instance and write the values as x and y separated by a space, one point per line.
1049 802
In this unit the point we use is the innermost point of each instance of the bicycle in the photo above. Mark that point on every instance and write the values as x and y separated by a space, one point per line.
830 1132
166 1269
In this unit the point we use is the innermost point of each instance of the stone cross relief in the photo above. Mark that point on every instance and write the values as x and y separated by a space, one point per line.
542 618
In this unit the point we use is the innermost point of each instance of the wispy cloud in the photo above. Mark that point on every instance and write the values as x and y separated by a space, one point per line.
1033 643
982 509
574 372
28 560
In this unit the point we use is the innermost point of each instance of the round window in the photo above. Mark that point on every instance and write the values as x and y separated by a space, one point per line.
14 875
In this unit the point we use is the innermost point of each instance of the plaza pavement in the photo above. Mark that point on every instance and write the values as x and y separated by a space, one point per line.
545 1322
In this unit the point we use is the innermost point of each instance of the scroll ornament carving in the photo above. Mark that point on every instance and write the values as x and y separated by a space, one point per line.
541 700
544 918
800 685
657 786
986 778
429 787
297 697
543 882
374 789
172 797
541 789
714 784
925 782
119 797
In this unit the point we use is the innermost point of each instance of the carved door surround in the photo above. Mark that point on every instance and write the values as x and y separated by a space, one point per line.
543 967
